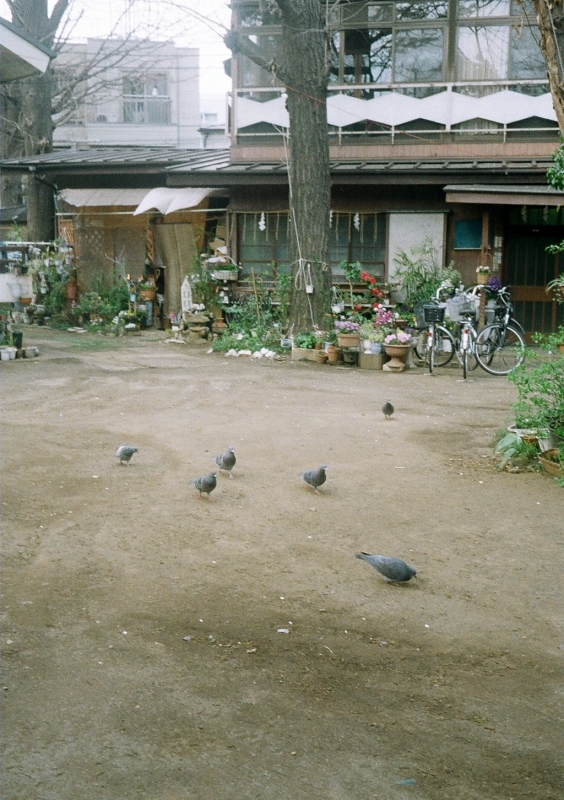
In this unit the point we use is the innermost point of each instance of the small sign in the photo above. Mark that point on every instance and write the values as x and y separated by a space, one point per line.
186 294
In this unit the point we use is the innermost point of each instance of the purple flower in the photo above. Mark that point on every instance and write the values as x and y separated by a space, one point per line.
494 284
347 326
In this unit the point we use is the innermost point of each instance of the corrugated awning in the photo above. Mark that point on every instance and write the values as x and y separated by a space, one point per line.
505 195
103 197
168 200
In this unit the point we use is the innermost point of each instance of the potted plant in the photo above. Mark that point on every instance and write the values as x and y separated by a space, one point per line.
147 291
348 333
482 274
304 346
557 287
397 346
540 386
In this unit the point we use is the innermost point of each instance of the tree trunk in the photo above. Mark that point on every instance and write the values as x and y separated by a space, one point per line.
301 66
309 174
40 210
26 118
550 18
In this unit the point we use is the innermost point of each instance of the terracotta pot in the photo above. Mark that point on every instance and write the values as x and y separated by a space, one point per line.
560 346
333 355
25 301
348 339
322 356
147 294
71 290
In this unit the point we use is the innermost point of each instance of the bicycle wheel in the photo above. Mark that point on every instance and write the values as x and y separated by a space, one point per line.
467 357
500 350
442 349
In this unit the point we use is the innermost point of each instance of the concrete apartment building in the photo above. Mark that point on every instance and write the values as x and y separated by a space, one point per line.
137 93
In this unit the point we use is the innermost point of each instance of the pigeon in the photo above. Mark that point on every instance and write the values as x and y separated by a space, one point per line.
394 570
125 452
315 477
226 461
205 484
387 409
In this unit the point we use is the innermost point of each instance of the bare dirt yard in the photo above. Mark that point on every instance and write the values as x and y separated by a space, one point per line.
160 646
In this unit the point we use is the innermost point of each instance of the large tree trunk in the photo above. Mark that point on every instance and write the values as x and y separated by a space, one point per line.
550 18
37 128
309 174
302 67
26 118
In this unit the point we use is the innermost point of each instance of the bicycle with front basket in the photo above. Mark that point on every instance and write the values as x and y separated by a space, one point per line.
435 346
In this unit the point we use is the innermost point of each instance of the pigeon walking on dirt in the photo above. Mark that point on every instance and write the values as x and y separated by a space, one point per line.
226 461
394 570
315 477
125 452
205 484
387 409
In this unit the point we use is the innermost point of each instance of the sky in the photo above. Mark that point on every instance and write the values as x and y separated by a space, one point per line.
171 19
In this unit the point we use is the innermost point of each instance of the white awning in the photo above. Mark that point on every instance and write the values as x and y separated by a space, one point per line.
102 197
168 200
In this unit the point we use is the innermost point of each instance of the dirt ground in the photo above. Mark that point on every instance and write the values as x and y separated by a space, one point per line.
160 646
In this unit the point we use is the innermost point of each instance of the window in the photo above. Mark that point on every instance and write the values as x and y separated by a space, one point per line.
264 241
146 100
357 237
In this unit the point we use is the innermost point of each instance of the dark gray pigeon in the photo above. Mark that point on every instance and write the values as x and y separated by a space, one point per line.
387 409
394 570
125 452
315 477
226 461
205 484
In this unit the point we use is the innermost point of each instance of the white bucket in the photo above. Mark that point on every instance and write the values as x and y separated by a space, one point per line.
4 355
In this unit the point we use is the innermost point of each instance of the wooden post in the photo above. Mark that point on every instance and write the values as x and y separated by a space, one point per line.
485 258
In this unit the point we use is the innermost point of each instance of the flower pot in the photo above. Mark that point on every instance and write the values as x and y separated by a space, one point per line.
333 355
482 278
322 356
561 348
348 339
17 337
25 301
376 348
71 290
398 357
549 465
147 294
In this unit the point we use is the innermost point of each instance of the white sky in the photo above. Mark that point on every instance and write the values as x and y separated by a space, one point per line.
166 19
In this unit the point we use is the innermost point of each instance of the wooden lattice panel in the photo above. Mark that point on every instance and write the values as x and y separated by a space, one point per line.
66 230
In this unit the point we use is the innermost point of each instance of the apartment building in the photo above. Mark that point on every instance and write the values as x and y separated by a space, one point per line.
127 92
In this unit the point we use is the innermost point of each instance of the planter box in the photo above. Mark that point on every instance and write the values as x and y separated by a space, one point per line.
550 467
303 354
372 360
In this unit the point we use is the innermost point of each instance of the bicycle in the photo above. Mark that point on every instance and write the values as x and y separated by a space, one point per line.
467 338
436 345
500 345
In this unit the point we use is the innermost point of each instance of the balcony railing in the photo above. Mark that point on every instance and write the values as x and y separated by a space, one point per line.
504 109
141 110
